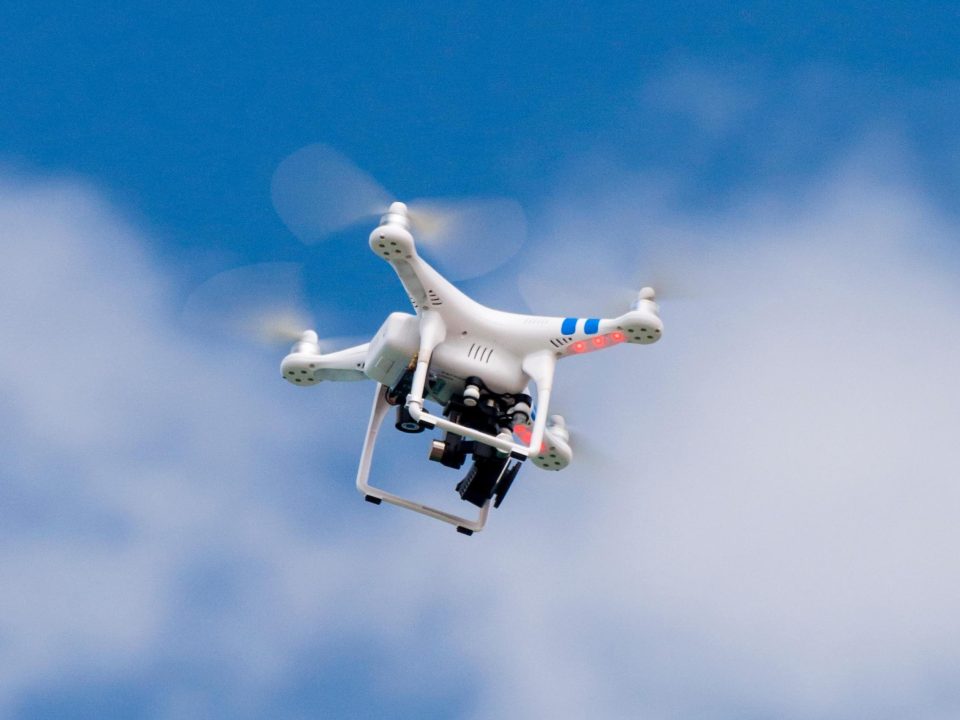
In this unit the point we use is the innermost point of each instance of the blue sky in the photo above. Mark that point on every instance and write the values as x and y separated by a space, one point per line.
179 532
183 111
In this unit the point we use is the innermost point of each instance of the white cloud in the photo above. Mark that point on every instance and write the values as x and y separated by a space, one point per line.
139 469
776 537
712 99
780 533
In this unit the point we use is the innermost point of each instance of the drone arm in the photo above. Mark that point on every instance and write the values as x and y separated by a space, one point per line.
432 333
540 366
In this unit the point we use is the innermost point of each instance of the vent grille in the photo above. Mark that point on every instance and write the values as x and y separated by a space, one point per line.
480 352
434 298
561 341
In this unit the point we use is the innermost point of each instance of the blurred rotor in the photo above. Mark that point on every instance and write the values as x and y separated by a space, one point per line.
319 192
588 450
262 304
601 283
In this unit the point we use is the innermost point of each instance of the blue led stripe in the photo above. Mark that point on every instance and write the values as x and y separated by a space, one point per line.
591 325
569 326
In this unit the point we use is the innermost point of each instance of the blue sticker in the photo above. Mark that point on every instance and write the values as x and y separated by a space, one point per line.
591 325
569 326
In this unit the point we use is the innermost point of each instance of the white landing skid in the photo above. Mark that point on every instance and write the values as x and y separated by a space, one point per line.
376 495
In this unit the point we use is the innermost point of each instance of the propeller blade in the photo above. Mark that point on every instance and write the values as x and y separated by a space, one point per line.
318 191
262 303
604 284
468 238
568 281
588 451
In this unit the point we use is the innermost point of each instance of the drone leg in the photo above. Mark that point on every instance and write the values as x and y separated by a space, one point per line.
540 367
377 414
432 333
375 495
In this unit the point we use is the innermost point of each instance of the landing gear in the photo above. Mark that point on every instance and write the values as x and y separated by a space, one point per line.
376 495
491 473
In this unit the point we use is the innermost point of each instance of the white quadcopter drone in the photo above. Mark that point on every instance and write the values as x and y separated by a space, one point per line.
490 372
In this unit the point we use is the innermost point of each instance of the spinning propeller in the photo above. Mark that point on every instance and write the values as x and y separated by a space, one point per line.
262 304
318 192
607 284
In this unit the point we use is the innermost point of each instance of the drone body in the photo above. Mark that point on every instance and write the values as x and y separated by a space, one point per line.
477 363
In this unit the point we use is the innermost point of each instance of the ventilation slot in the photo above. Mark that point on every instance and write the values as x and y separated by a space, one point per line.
480 352
434 298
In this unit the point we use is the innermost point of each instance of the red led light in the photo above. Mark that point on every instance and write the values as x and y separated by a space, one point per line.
597 342
523 433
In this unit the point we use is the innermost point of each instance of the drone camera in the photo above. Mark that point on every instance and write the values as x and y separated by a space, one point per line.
451 451
436 450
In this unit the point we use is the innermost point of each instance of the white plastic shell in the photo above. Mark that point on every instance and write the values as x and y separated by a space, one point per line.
555 452
393 348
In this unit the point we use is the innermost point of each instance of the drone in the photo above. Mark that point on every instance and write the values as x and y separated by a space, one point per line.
490 372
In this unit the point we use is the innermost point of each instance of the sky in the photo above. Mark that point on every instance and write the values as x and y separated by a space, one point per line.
760 519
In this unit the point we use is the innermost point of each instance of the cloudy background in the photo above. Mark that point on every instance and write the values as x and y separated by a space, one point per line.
762 522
